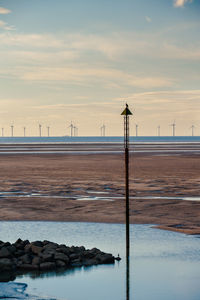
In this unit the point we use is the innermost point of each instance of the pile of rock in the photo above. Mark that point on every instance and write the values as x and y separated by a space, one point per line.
26 256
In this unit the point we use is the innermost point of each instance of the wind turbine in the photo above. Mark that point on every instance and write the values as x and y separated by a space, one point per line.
48 128
173 128
12 127
136 129
40 130
158 130
103 130
72 129
2 131
75 131
192 127
24 131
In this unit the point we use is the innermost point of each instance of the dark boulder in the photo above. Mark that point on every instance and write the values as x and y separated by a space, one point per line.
4 252
47 266
61 256
23 256
6 264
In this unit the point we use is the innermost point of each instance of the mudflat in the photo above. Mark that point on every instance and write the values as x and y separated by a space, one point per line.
90 187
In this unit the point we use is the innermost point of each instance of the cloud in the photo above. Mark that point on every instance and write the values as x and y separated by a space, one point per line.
5 26
179 97
2 24
111 46
89 76
189 52
181 3
86 60
4 11
148 19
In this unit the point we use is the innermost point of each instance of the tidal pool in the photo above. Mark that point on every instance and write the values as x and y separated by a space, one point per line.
163 265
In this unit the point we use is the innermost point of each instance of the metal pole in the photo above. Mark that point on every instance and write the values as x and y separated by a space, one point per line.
126 114
126 122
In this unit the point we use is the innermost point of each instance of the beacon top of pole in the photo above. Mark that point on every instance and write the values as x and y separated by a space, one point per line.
126 111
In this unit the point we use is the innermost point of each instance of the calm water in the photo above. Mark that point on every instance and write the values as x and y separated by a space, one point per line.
95 139
164 265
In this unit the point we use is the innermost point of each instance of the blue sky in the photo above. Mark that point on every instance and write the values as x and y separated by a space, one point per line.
80 61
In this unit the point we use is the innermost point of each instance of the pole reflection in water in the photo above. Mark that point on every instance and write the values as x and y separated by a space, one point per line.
127 278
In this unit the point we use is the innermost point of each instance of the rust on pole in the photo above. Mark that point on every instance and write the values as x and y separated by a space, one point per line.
126 113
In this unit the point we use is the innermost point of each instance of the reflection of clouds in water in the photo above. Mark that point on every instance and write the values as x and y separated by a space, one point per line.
14 290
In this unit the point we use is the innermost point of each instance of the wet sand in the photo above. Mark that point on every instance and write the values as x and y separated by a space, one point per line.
62 187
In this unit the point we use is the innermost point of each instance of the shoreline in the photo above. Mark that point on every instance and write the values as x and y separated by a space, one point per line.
79 188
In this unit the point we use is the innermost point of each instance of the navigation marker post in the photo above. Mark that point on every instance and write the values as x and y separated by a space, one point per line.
126 113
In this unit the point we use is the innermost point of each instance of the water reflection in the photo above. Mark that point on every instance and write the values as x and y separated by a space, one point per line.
166 263
6 276
127 278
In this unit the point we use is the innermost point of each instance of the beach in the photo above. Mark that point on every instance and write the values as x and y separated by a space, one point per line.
71 184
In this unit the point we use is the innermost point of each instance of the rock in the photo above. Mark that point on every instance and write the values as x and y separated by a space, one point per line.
19 253
105 258
26 259
36 260
37 243
6 276
73 256
28 267
90 262
36 249
23 256
77 263
61 256
47 266
82 248
50 245
4 252
7 244
95 251
33 248
88 254
47 257
6 264
45 242
12 249
76 250
60 264
19 244
64 249
19 241
27 248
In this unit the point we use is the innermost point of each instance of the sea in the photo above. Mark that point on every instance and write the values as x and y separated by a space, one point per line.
164 265
100 139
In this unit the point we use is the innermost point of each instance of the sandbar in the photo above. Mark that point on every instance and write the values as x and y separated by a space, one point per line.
90 188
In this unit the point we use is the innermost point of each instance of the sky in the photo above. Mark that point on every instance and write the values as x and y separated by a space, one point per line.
80 61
